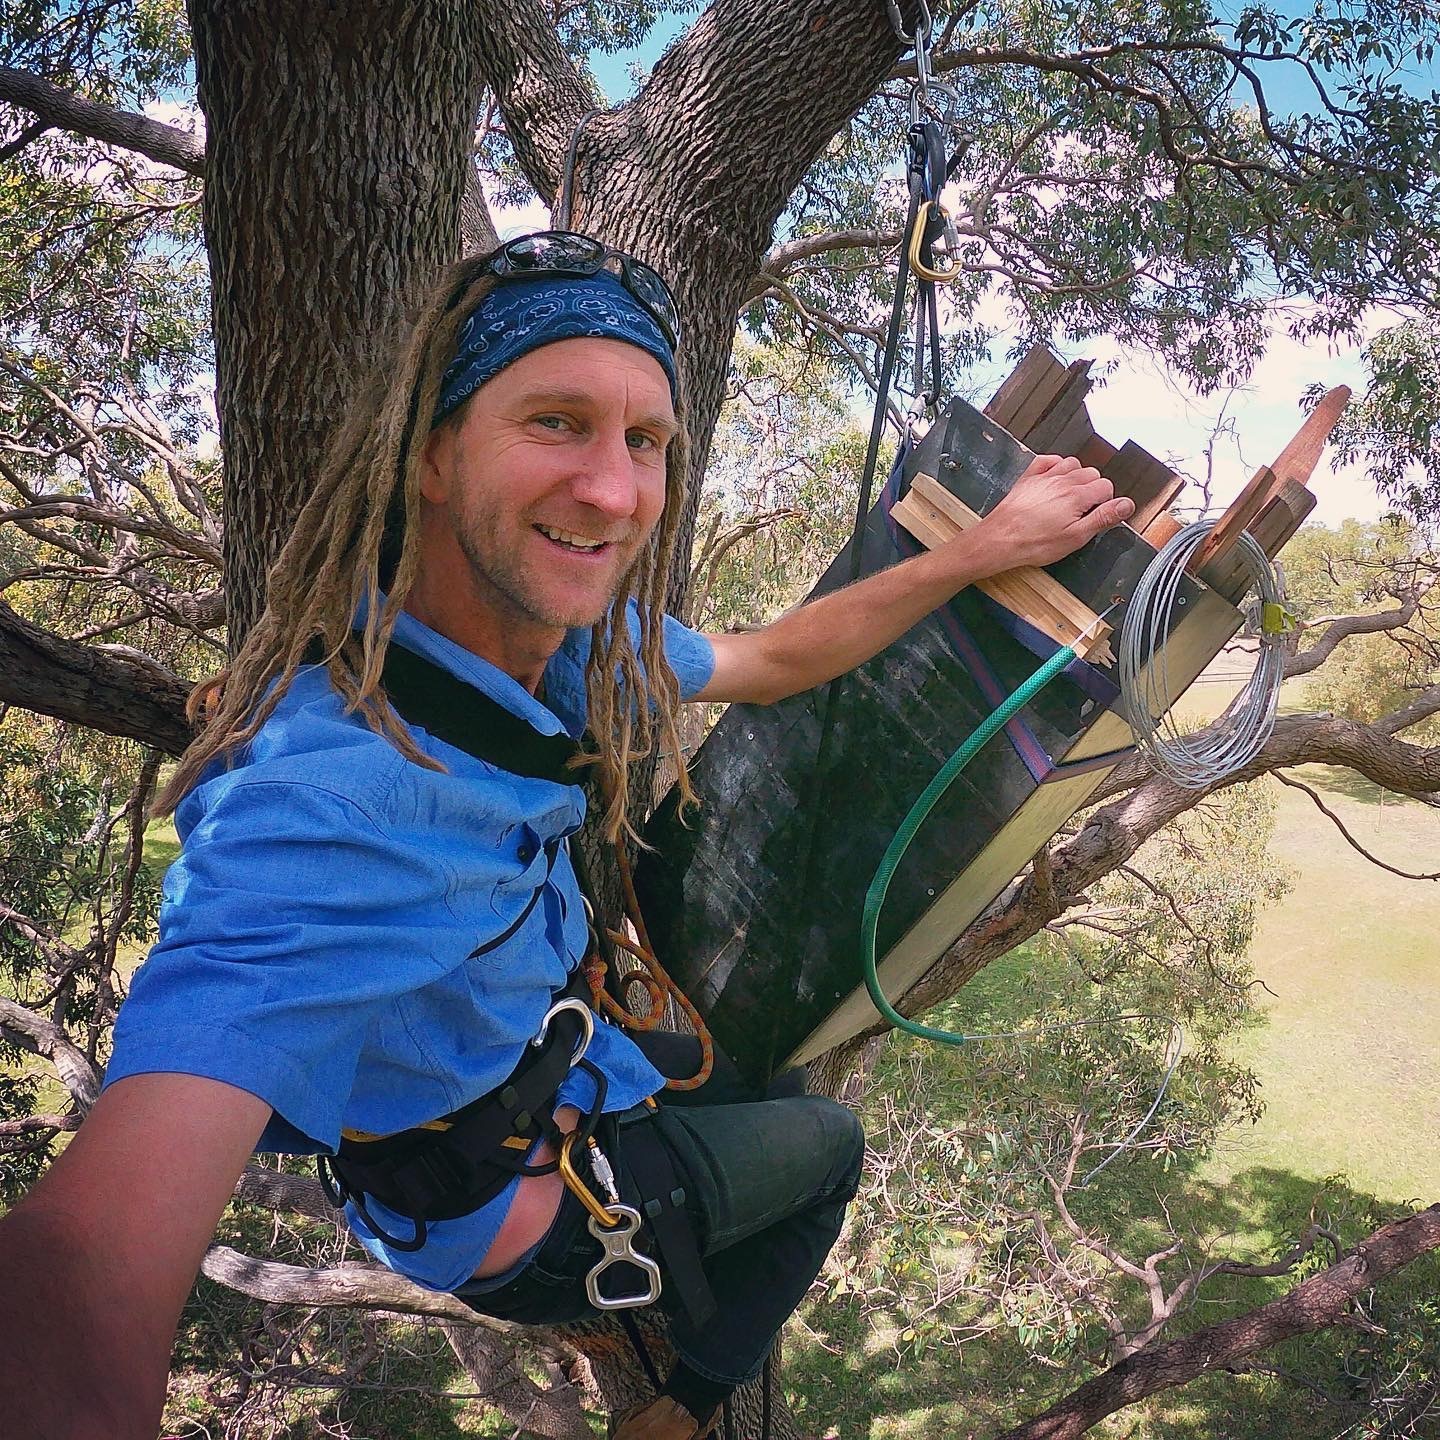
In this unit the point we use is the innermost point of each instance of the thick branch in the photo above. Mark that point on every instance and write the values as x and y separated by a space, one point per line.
1342 629
1422 707
725 150
292 1194
1114 833
353 1283
41 1037
165 144
114 692
542 96
1319 1302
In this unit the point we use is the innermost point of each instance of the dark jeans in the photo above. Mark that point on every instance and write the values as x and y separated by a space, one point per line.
766 1186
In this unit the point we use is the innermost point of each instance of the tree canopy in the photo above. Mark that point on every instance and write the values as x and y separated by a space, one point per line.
212 216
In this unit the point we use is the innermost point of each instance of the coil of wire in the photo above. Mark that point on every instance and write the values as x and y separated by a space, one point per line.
1204 757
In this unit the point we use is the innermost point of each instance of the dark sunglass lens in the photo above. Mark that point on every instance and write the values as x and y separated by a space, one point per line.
652 291
554 251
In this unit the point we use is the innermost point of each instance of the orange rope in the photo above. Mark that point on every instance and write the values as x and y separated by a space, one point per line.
652 978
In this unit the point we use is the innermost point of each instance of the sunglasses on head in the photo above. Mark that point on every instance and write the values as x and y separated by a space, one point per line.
564 252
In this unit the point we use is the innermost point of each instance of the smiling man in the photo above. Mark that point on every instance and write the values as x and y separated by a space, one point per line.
370 945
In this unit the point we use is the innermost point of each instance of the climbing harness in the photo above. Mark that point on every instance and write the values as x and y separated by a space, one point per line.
457 1163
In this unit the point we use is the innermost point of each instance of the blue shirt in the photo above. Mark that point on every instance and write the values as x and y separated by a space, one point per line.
316 928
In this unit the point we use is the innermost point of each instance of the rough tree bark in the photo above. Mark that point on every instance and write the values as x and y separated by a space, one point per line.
336 162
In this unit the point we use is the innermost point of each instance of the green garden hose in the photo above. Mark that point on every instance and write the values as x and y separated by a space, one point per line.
919 811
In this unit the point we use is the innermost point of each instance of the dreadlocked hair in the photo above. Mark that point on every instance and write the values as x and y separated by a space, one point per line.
357 535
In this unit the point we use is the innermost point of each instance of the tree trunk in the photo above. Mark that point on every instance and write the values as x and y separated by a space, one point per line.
338 141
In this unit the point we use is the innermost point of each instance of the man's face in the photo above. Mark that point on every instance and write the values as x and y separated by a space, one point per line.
552 481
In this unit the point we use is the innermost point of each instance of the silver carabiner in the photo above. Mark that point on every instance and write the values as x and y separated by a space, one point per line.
619 1245
587 1025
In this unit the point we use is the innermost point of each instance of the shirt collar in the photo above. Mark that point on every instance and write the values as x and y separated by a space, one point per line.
465 665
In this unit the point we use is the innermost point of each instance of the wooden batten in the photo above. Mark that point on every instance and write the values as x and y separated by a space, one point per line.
934 516
1283 515
1244 509
1038 365
1297 461
1161 530
1054 391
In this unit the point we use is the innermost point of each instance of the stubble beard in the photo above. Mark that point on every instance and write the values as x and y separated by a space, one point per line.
504 576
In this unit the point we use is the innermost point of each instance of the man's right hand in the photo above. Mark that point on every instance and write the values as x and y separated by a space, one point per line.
1054 508
98 1258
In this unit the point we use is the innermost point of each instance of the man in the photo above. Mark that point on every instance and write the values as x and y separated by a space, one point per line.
368 924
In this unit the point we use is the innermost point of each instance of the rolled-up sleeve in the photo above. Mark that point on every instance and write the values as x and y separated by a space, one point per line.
288 921
691 657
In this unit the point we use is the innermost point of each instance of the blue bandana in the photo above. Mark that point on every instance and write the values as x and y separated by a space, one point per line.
519 316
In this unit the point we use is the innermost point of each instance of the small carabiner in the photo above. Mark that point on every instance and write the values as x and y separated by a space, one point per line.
587 1025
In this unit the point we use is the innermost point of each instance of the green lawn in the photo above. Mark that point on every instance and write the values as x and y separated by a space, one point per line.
1351 1057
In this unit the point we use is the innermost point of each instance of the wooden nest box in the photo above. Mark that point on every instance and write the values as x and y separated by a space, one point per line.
754 905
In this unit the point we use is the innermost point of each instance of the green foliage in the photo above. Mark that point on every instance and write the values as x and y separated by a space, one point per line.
1365 569
780 495
1127 172
1394 428
977 1148
73 902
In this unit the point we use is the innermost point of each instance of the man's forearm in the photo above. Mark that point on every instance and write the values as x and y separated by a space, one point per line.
71 1366
1054 507
826 637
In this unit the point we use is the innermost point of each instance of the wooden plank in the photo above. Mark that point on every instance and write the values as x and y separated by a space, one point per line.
1096 451
1297 461
933 516
1162 530
1037 363
1047 394
1068 407
1285 513
1072 437
1246 506
1149 482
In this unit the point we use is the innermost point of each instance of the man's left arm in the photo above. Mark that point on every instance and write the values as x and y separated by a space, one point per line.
1054 508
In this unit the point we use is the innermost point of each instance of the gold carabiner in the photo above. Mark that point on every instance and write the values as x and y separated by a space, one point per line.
579 1189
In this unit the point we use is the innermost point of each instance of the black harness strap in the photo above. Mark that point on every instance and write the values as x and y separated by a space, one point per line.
454 1165
432 698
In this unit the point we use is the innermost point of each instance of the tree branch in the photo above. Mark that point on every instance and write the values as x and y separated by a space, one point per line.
699 110
352 1283
1422 707
59 109
783 258
541 95
42 1037
1349 838
118 692
1341 629
1321 1301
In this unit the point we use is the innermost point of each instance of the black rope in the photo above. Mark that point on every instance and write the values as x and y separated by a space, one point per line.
642 1351
862 506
